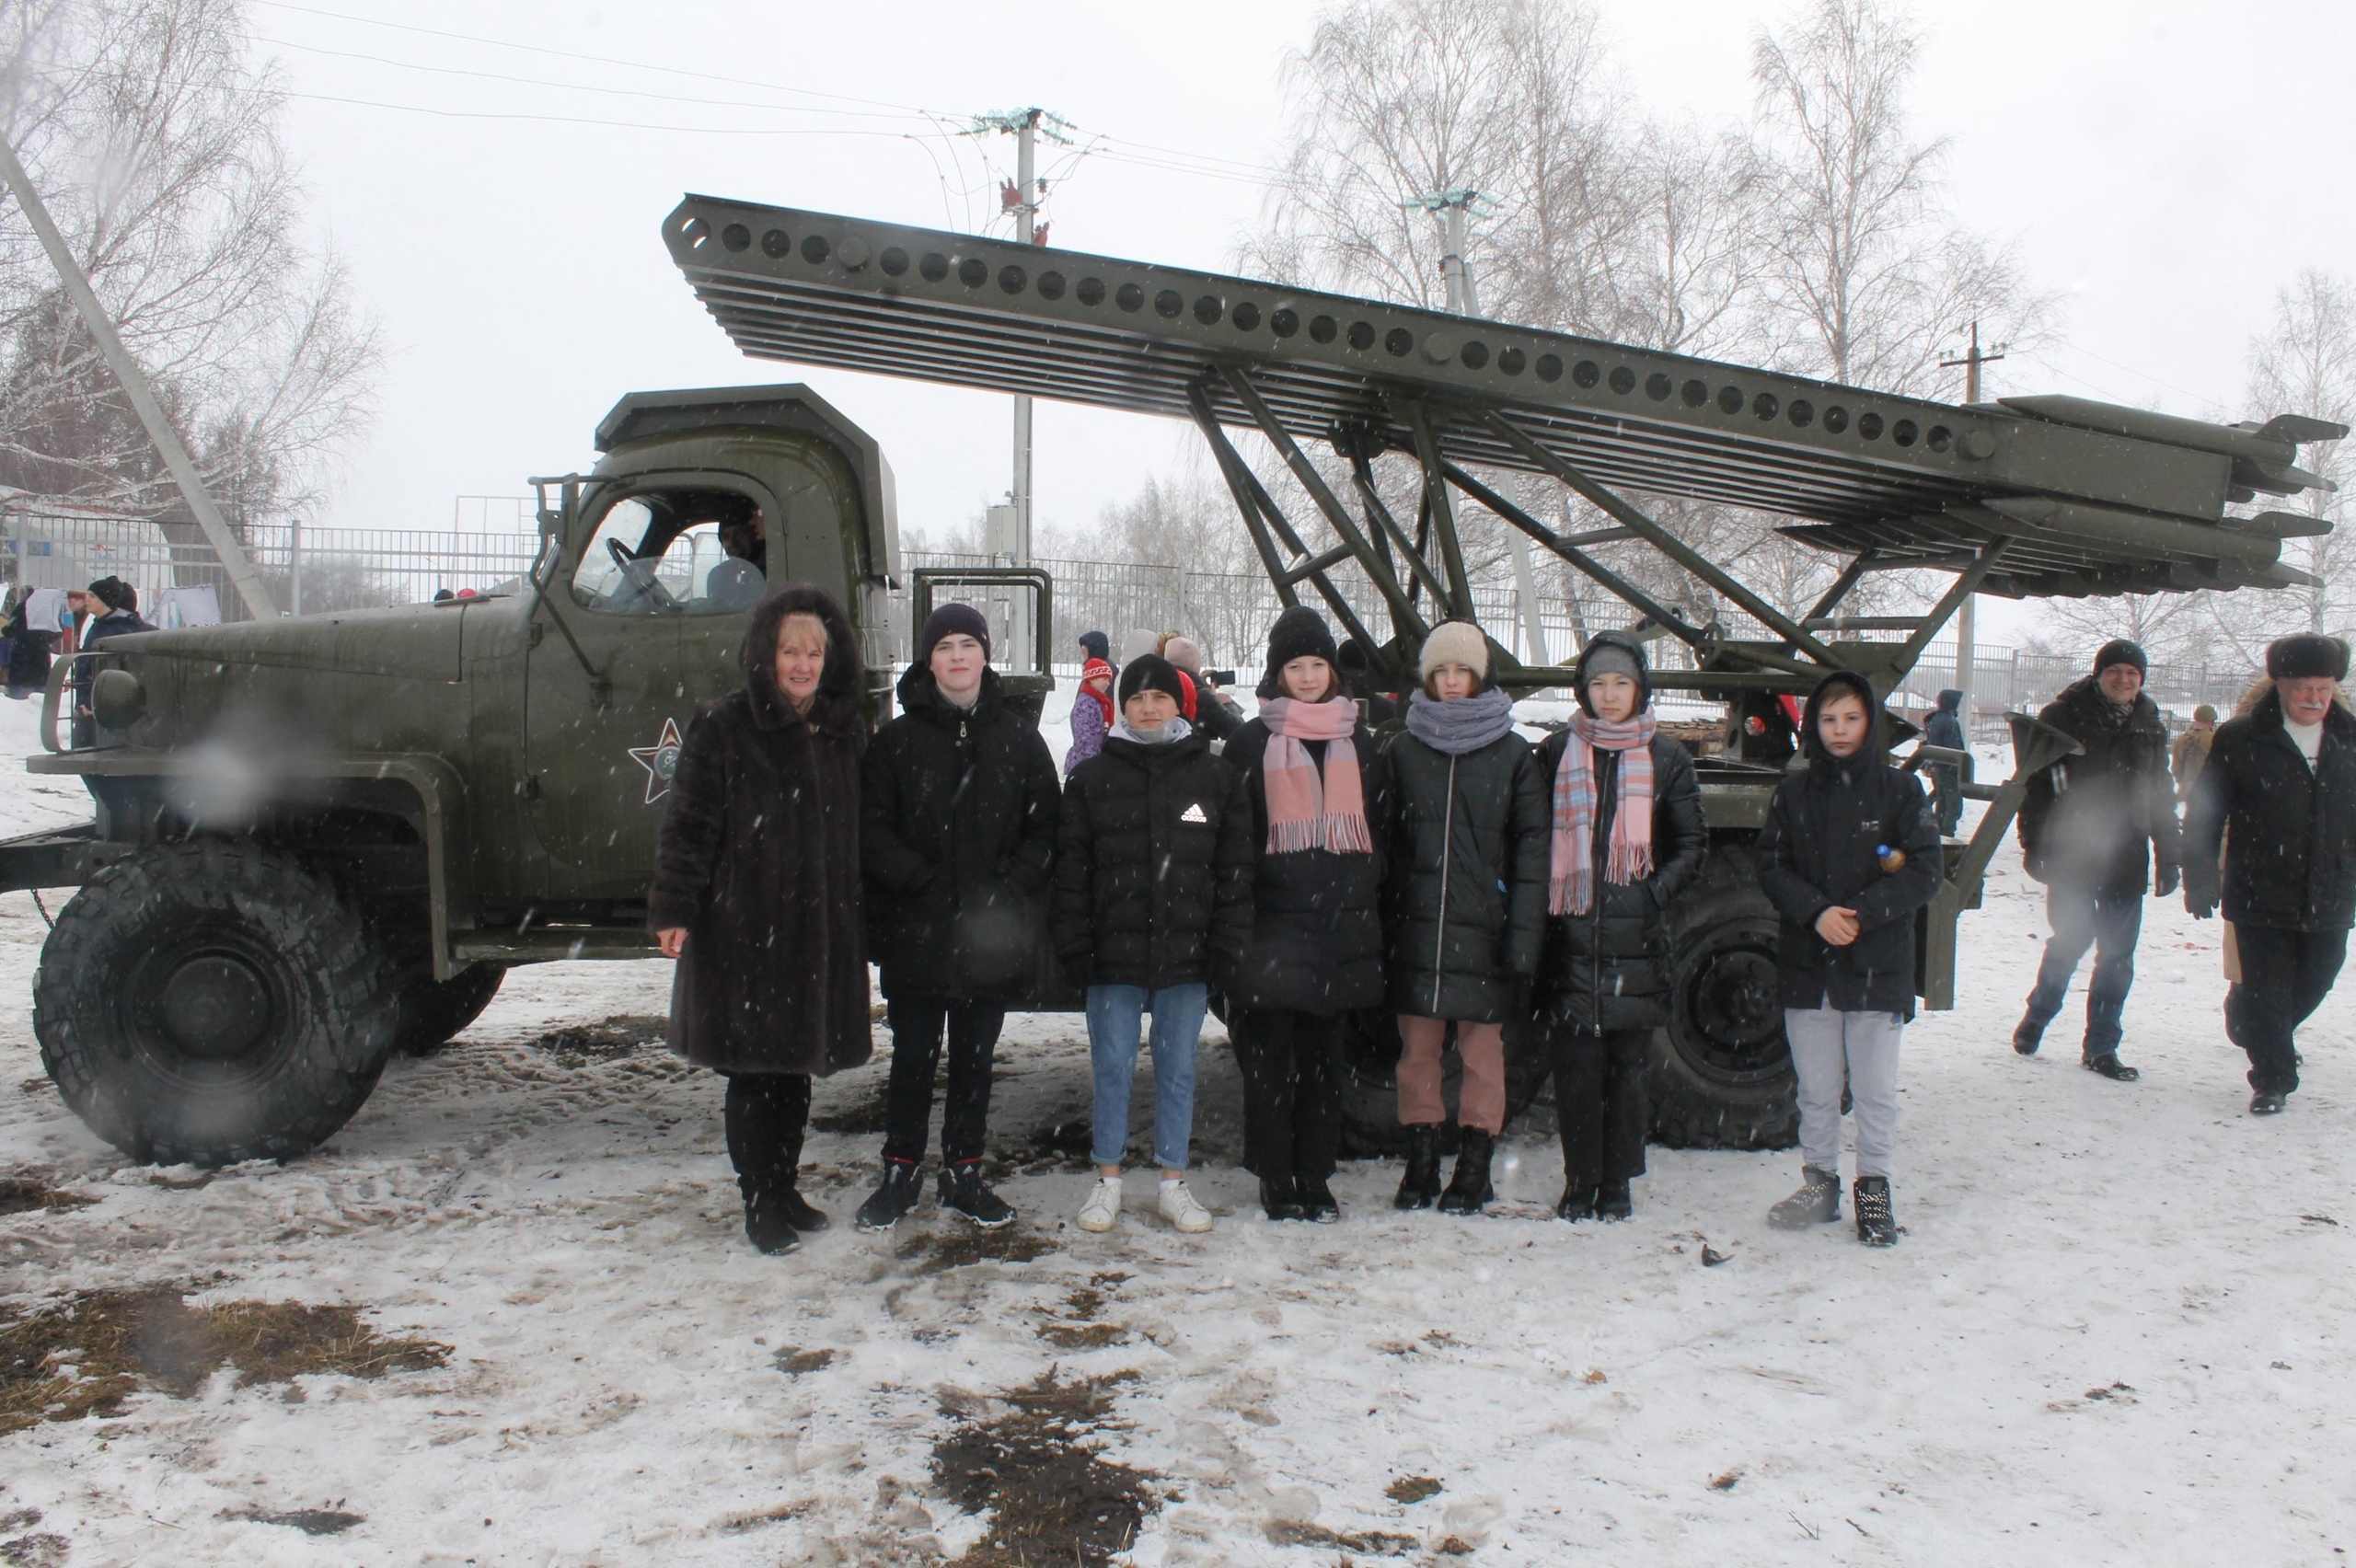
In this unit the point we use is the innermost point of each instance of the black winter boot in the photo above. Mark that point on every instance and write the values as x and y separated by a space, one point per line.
1280 1199
1419 1183
2266 1102
1579 1203
767 1224
1816 1203
2110 1066
902 1185
1874 1226
1317 1201
961 1189
1468 1184
1613 1200
2028 1036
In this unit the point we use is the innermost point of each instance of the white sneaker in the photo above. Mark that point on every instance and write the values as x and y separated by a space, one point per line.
1102 1207
1179 1207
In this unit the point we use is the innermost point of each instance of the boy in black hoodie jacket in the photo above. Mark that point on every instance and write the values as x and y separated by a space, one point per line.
1849 853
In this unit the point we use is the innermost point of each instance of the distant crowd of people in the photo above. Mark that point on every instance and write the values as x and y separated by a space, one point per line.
1313 865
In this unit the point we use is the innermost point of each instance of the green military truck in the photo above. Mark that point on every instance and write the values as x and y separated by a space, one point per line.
323 840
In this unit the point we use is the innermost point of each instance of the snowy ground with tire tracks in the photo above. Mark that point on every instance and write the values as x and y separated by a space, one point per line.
2115 1330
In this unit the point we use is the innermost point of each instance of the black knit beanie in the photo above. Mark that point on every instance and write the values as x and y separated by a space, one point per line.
2307 654
1098 645
2119 650
115 593
950 620
1299 633
1150 672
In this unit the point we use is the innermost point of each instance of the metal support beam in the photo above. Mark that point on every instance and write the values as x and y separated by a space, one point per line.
1314 483
216 529
1451 549
1229 462
1859 564
1663 541
1967 583
1315 565
1384 523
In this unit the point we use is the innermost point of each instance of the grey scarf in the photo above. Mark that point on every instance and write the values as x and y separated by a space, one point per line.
1466 724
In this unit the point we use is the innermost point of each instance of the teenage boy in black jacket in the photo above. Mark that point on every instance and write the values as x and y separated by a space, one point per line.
1849 853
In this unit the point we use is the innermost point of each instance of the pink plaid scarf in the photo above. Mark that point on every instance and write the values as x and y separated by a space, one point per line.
1571 889
1305 813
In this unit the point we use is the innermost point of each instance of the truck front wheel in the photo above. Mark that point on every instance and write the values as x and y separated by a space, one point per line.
211 1002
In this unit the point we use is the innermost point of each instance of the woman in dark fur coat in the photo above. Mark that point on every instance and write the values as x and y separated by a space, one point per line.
757 893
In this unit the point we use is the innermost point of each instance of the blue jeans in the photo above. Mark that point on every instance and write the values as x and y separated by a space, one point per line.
1115 1018
2108 922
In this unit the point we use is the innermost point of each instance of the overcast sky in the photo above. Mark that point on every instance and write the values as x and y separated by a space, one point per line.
2168 165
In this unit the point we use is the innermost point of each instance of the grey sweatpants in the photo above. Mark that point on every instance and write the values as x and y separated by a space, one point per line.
1857 1049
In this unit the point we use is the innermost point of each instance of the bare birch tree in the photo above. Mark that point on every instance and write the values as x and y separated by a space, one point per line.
155 141
2306 365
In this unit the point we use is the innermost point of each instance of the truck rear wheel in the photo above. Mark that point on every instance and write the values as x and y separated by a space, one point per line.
432 1011
1722 1070
211 1002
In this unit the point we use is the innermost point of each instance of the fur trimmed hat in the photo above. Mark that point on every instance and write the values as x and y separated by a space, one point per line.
2308 653
1454 642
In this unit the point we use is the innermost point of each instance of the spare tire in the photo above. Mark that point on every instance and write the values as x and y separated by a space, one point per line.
213 1001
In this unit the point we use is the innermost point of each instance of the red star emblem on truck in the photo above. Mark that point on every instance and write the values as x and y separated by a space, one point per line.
660 760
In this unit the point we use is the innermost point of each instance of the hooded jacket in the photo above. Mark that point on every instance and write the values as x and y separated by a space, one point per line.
1945 727
1608 969
1153 865
2086 819
759 860
2292 829
1821 850
958 810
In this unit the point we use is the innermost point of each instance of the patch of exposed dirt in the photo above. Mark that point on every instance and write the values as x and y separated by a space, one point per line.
22 1194
87 1353
590 1045
937 1252
1065 1145
861 1115
36 1552
794 1363
310 1521
1076 1328
1030 1458
1412 1488
1374 1543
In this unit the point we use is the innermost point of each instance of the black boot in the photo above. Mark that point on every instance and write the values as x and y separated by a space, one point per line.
801 1213
1579 1203
1419 1183
1317 1202
2028 1036
766 1116
1278 1197
2266 1102
2110 1066
768 1225
1816 1203
897 1196
1874 1226
1613 1200
961 1189
1468 1184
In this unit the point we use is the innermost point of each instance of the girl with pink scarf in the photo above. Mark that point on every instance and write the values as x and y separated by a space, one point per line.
1318 785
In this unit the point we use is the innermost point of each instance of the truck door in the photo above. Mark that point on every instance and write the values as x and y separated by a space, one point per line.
667 577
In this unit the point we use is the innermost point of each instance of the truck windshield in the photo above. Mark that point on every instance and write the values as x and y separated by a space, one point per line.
695 552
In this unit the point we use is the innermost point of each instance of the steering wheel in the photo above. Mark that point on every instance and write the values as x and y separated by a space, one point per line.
639 574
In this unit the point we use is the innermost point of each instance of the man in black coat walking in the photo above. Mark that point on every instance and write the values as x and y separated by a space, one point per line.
2279 788
2084 825
958 810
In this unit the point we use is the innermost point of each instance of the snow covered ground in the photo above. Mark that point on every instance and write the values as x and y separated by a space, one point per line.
2116 1331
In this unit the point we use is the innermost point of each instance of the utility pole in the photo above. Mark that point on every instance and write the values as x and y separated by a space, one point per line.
1464 300
1966 624
182 467
1022 199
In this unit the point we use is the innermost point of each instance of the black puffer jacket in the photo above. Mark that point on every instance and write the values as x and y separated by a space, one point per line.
1317 922
958 813
2288 831
1609 968
1818 853
2086 820
1465 890
1153 865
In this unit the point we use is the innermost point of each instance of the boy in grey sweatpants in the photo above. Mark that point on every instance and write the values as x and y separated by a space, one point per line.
1849 853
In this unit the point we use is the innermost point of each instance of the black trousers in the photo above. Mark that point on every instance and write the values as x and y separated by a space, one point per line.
2285 976
1601 1102
766 1117
2109 923
917 1025
1292 1066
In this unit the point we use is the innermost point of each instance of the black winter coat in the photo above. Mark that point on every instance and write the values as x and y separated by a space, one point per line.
1465 889
1153 865
2288 831
1317 917
759 859
1609 968
2085 821
958 811
1818 853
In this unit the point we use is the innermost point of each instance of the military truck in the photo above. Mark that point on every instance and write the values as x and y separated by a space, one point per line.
323 840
